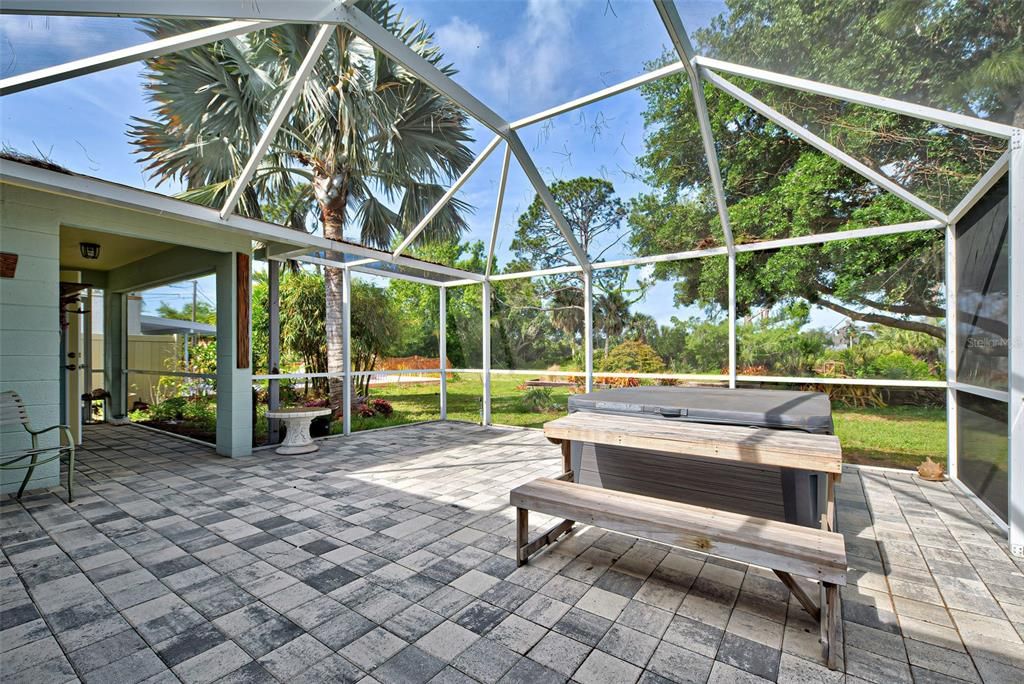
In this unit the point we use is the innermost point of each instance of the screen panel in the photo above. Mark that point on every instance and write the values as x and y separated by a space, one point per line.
983 449
983 275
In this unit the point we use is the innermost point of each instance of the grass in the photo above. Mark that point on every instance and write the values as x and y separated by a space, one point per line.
897 436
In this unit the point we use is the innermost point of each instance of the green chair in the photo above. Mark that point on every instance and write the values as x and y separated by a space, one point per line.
12 412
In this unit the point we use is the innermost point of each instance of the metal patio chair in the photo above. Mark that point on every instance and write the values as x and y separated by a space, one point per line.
13 412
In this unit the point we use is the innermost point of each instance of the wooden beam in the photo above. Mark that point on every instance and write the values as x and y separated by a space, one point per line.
243 309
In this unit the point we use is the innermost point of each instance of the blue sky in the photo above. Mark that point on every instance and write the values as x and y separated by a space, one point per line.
519 57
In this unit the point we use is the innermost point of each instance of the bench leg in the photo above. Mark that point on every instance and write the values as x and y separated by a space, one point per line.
831 621
71 474
526 548
800 594
522 535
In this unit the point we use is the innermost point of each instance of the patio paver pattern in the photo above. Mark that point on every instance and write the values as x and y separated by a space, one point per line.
388 557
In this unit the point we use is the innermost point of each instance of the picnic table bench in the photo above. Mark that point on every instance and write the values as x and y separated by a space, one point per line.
785 548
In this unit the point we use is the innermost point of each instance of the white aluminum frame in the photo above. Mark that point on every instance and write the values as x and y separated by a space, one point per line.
456 186
116 58
952 316
889 104
283 243
442 347
346 350
1015 497
485 352
499 203
819 143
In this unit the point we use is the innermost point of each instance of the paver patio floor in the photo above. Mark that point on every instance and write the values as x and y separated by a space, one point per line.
388 557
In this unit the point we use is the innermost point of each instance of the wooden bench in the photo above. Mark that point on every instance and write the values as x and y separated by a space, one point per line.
785 548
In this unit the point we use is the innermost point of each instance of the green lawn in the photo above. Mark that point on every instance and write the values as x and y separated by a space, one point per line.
897 436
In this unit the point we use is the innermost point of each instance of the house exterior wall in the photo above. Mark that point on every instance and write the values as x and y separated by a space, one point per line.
30 226
30 326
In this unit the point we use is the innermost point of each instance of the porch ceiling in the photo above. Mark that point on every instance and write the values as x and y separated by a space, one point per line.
115 250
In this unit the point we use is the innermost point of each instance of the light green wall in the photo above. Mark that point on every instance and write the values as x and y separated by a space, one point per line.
30 326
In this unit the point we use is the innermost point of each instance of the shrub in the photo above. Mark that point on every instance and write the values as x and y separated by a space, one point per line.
538 400
632 356
365 411
899 365
169 409
382 407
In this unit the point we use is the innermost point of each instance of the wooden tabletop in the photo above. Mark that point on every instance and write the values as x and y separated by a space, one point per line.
766 446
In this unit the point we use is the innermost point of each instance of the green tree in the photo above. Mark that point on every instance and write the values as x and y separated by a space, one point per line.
778 187
302 322
364 134
963 56
205 313
594 215
611 315
375 327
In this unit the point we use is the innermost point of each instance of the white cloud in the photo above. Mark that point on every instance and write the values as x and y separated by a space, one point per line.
527 65
462 40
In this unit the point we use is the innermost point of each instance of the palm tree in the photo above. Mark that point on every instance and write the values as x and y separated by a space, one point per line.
367 149
611 315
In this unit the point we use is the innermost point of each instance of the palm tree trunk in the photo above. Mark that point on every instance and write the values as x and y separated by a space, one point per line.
333 213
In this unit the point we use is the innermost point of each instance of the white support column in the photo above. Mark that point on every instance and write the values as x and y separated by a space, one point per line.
732 320
485 416
273 347
951 356
588 328
346 350
442 346
87 345
1016 344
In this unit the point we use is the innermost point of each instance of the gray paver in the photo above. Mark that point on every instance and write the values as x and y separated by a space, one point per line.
396 549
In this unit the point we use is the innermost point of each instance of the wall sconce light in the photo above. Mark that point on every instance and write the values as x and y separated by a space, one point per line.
90 250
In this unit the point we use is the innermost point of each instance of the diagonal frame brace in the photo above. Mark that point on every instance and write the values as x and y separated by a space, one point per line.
116 58
677 32
280 113
456 186
497 210
822 145
532 173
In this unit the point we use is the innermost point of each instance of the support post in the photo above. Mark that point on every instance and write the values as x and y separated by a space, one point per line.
732 320
346 350
234 369
1016 344
273 346
588 328
115 353
87 360
442 347
952 447
485 414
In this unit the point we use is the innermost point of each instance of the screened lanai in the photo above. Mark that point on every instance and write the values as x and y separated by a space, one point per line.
961 197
